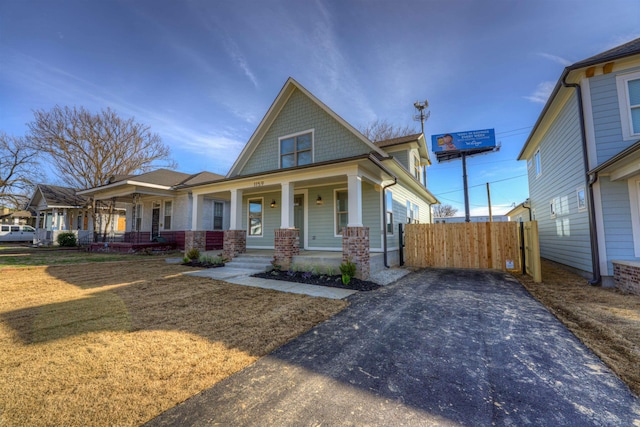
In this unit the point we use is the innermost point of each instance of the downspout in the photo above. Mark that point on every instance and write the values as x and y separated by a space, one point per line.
384 220
593 236
524 205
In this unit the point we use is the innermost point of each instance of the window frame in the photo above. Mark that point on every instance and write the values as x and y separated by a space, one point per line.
584 199
221 216
389 212
624 103
254 199
416 167
164 215
336 222
295 150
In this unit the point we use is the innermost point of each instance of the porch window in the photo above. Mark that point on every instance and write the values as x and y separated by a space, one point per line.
342 210
218 208
389 208
296 150
167 215
255 217
136 214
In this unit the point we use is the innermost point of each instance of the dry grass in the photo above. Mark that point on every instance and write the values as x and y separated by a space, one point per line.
119 343
604 319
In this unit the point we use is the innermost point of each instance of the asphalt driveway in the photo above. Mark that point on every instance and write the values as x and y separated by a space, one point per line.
438 347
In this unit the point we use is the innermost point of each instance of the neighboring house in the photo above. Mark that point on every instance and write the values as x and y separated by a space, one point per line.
156 208
521 212
16 217
59 209
582 159
306 180
479 218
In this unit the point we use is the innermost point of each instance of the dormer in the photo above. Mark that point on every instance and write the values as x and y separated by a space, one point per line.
411 152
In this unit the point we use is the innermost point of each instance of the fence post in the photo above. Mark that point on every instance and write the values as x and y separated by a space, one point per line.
523 251
400 245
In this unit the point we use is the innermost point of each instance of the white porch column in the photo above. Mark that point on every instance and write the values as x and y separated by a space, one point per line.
235 222
196 212
355 200
287 206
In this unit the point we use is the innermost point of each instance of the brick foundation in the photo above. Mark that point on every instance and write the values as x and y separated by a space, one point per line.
287 245
626 276
195 239
355 247
234 243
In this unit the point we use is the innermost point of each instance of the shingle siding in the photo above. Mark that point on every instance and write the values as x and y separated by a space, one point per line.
565 238
332 141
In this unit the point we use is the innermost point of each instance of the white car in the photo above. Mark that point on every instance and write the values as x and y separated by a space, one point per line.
16 233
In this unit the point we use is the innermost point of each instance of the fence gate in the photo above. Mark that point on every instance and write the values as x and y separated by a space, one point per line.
494 245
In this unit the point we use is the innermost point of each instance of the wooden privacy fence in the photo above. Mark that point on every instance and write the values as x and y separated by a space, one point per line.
494 245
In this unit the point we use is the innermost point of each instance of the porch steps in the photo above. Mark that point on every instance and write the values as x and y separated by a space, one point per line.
259 263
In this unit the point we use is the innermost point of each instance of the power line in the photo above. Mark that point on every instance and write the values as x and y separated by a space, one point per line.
479 185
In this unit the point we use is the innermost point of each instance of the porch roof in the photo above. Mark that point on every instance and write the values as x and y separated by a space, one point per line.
623 165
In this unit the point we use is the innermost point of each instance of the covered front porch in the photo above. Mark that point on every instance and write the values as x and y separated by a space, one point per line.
324 213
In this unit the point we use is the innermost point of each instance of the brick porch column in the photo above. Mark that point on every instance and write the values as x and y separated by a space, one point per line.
195 239
355 248
287 245
234 243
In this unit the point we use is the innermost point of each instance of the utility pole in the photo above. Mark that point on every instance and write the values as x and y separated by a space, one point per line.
489 199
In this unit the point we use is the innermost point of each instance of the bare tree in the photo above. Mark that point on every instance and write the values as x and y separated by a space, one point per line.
18 171
87 149
380 130
444 211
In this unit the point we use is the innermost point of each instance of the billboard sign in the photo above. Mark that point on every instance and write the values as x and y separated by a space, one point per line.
464 141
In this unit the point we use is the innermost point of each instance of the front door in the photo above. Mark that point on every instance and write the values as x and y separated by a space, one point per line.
155 220
298 216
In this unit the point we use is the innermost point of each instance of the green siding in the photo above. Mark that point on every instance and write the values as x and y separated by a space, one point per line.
331 140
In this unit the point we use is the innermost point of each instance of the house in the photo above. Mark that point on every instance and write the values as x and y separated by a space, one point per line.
158 209
305 181
58 209
582 160
520 213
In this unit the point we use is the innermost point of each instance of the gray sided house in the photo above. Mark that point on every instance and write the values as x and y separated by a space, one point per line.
58 209
305 181
583 165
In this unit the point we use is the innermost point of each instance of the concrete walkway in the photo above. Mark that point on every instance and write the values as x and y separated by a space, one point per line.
437 348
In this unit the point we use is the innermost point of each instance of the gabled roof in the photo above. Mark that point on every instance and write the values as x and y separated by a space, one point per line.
289 87
61 197
398 141
623 51
159 178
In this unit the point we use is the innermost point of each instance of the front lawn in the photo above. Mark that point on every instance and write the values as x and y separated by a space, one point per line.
604 319
99 344
24 256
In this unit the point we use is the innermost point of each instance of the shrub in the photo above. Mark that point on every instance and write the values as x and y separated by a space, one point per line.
67 239
193 254
348 270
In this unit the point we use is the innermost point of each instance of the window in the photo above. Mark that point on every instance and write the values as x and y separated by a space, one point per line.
342 210
296 150
416 214
536 158
410 213
218 208
5 228
167 215
15 228
389 207
255 217
628 86
417 167
137 217
582 202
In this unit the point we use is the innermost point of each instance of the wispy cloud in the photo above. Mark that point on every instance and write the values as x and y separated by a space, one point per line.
240 60
542 92
557 59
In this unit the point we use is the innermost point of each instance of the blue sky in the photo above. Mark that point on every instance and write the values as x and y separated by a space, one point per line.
203 73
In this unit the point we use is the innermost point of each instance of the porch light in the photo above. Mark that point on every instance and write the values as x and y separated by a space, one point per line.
319 200
273 203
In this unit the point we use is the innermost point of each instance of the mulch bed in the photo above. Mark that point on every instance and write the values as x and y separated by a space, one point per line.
333 281
199 264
